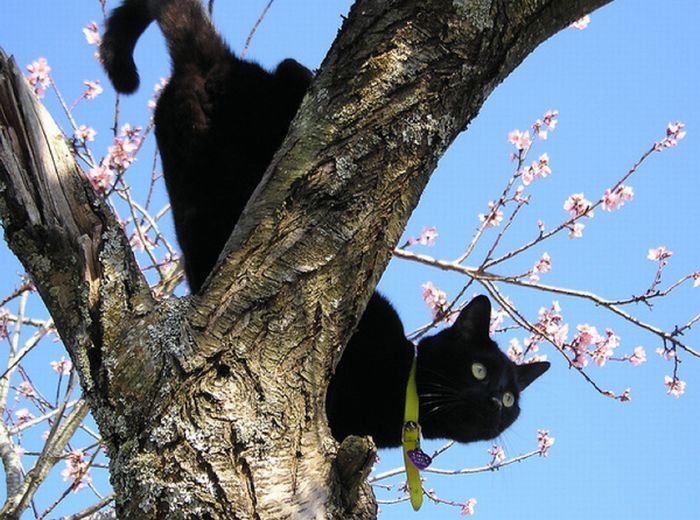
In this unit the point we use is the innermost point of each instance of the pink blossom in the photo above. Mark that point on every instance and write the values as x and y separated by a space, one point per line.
23 416
157 90
576 231
587 335
25 389
77 470
550 324
538 169
550 119
19 451
543 265
667 354
100 177
547 124
521 140
498 455
625 396
435 299
696 279
613 200
515 351
544 442
131 132
494 218
85 133
674 133
578 206
427 237
626 192
92 33
136 242
540 226
518 196
63 366
543 165
94 89
121 154
638 357
580 360
659 254
675 386
468 507
497 317
531 344
605 347
39 76
581 23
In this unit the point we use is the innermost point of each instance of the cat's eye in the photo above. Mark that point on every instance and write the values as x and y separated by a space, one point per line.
479 371
508 399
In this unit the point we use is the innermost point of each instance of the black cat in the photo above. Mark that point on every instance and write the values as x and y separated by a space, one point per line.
468 389
218 122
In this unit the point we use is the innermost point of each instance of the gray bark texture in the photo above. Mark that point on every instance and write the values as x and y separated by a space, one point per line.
212 406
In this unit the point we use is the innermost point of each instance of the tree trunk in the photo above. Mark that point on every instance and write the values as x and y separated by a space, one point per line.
212 406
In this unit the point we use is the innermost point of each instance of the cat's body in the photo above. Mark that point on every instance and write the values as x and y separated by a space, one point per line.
215 140
219 121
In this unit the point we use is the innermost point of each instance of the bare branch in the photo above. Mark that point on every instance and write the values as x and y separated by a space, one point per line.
91 513
249 39
14 472
64 234
58 438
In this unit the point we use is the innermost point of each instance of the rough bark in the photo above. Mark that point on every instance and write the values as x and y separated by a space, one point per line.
212 406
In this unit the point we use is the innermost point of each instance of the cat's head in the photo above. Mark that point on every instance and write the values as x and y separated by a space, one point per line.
469 390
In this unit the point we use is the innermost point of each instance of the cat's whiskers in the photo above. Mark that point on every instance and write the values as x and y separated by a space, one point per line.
439 404
439 408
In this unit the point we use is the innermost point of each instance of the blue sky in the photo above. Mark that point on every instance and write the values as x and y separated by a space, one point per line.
616 85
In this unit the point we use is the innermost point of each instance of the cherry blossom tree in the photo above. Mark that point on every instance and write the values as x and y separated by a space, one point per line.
187 391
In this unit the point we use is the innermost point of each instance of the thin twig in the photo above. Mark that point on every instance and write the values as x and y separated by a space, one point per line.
244 51
485 276
93 508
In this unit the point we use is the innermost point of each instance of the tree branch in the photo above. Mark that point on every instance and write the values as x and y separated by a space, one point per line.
402 80
65 235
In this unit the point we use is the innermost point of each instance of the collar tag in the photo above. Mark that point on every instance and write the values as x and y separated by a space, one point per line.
414 458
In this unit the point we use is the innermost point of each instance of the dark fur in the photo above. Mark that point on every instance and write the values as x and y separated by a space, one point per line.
367 394
218 123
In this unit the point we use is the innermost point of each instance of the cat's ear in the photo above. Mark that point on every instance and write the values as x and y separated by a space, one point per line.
475 319
528 372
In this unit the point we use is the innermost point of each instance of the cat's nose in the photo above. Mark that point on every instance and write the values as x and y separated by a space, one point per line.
496 403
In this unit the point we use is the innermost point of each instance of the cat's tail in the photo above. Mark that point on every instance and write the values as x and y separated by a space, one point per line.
190 35
124 26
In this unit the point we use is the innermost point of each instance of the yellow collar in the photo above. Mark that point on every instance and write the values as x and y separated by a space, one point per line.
413 457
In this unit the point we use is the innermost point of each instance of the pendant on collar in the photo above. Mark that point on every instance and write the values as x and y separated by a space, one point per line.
414 458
